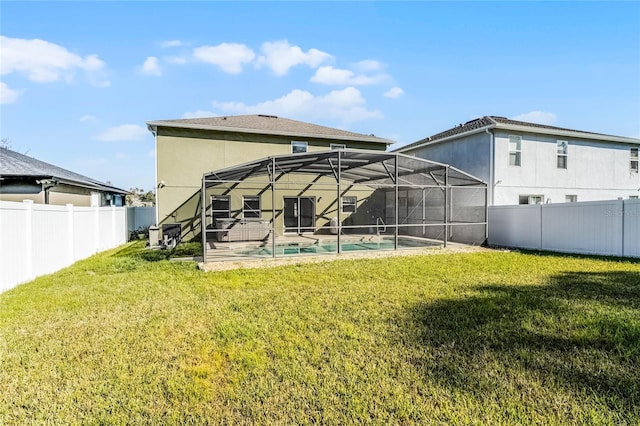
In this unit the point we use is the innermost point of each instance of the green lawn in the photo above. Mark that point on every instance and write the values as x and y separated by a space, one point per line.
495 337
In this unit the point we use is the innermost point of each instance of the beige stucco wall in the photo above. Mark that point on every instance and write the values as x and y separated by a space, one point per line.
183 156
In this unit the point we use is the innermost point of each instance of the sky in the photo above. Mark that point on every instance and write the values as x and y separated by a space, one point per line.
78 80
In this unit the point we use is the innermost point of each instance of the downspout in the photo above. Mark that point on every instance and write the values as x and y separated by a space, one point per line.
154 132
490 185
492 170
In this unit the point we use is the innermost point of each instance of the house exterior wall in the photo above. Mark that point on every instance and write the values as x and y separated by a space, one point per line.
323 190
184 155
470 154
596 170
60 195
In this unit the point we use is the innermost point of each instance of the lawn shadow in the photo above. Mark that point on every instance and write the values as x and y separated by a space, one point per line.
579 333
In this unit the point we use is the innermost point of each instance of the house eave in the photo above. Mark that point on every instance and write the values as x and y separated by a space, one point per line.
527 129
448 138
568 133
154 125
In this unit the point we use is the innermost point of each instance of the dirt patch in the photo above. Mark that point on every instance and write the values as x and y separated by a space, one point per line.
297 260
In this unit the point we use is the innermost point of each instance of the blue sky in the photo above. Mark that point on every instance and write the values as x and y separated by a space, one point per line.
79 80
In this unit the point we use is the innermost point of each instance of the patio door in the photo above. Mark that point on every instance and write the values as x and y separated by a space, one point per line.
299 214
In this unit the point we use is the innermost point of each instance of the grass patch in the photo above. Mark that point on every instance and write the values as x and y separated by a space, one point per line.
465 338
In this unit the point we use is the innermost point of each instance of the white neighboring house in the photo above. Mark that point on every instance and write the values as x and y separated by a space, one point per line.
527 163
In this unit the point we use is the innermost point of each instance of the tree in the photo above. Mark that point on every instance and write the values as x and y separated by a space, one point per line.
138 197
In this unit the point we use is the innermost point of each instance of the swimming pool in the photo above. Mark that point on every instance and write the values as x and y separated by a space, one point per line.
328 247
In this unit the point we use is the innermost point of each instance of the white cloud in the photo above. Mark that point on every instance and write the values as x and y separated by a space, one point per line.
280 56
341 77
171 43
540 117
151 66
228 56
393 93
42 61
87 118
199 114
8 95
175 59
125 132
346 105
368 65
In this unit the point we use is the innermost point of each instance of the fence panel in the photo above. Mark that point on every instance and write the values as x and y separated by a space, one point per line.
609 228
140 217
588 228
15 240
38 239
516 226
50 239
632 228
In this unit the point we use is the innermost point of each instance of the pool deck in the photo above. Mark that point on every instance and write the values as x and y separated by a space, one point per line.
225 251
235 262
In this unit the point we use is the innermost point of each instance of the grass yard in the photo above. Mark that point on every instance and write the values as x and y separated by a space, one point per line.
495 337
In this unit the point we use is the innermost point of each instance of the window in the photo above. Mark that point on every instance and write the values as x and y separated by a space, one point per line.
220 207
298 146
570 198
349 204
634 160
633 197
563 147
515 143
338 146
251 206
531 199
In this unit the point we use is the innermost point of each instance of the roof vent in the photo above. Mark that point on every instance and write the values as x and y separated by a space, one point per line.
267 116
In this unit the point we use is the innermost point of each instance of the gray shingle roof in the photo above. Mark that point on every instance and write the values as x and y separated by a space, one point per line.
493 121
266 124
14 164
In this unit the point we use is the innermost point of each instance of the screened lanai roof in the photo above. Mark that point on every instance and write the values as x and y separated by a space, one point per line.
357 166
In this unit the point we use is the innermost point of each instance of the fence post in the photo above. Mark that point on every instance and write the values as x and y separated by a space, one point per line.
622 223
28 231
71 241
114 237
96 228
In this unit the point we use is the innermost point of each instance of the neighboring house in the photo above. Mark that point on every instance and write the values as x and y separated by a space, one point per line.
526 163
26 178
186 149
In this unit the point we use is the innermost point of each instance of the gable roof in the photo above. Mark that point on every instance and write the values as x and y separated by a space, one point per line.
265 124
495 122
16 165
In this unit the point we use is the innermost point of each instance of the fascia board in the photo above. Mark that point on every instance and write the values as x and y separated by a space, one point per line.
153 127
567 133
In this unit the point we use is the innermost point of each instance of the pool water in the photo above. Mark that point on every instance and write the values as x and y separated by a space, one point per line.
327 247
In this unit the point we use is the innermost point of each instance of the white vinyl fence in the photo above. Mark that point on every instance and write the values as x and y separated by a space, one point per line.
597 227
140 217
38 239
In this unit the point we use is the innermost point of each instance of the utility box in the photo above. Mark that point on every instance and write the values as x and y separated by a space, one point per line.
154 236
